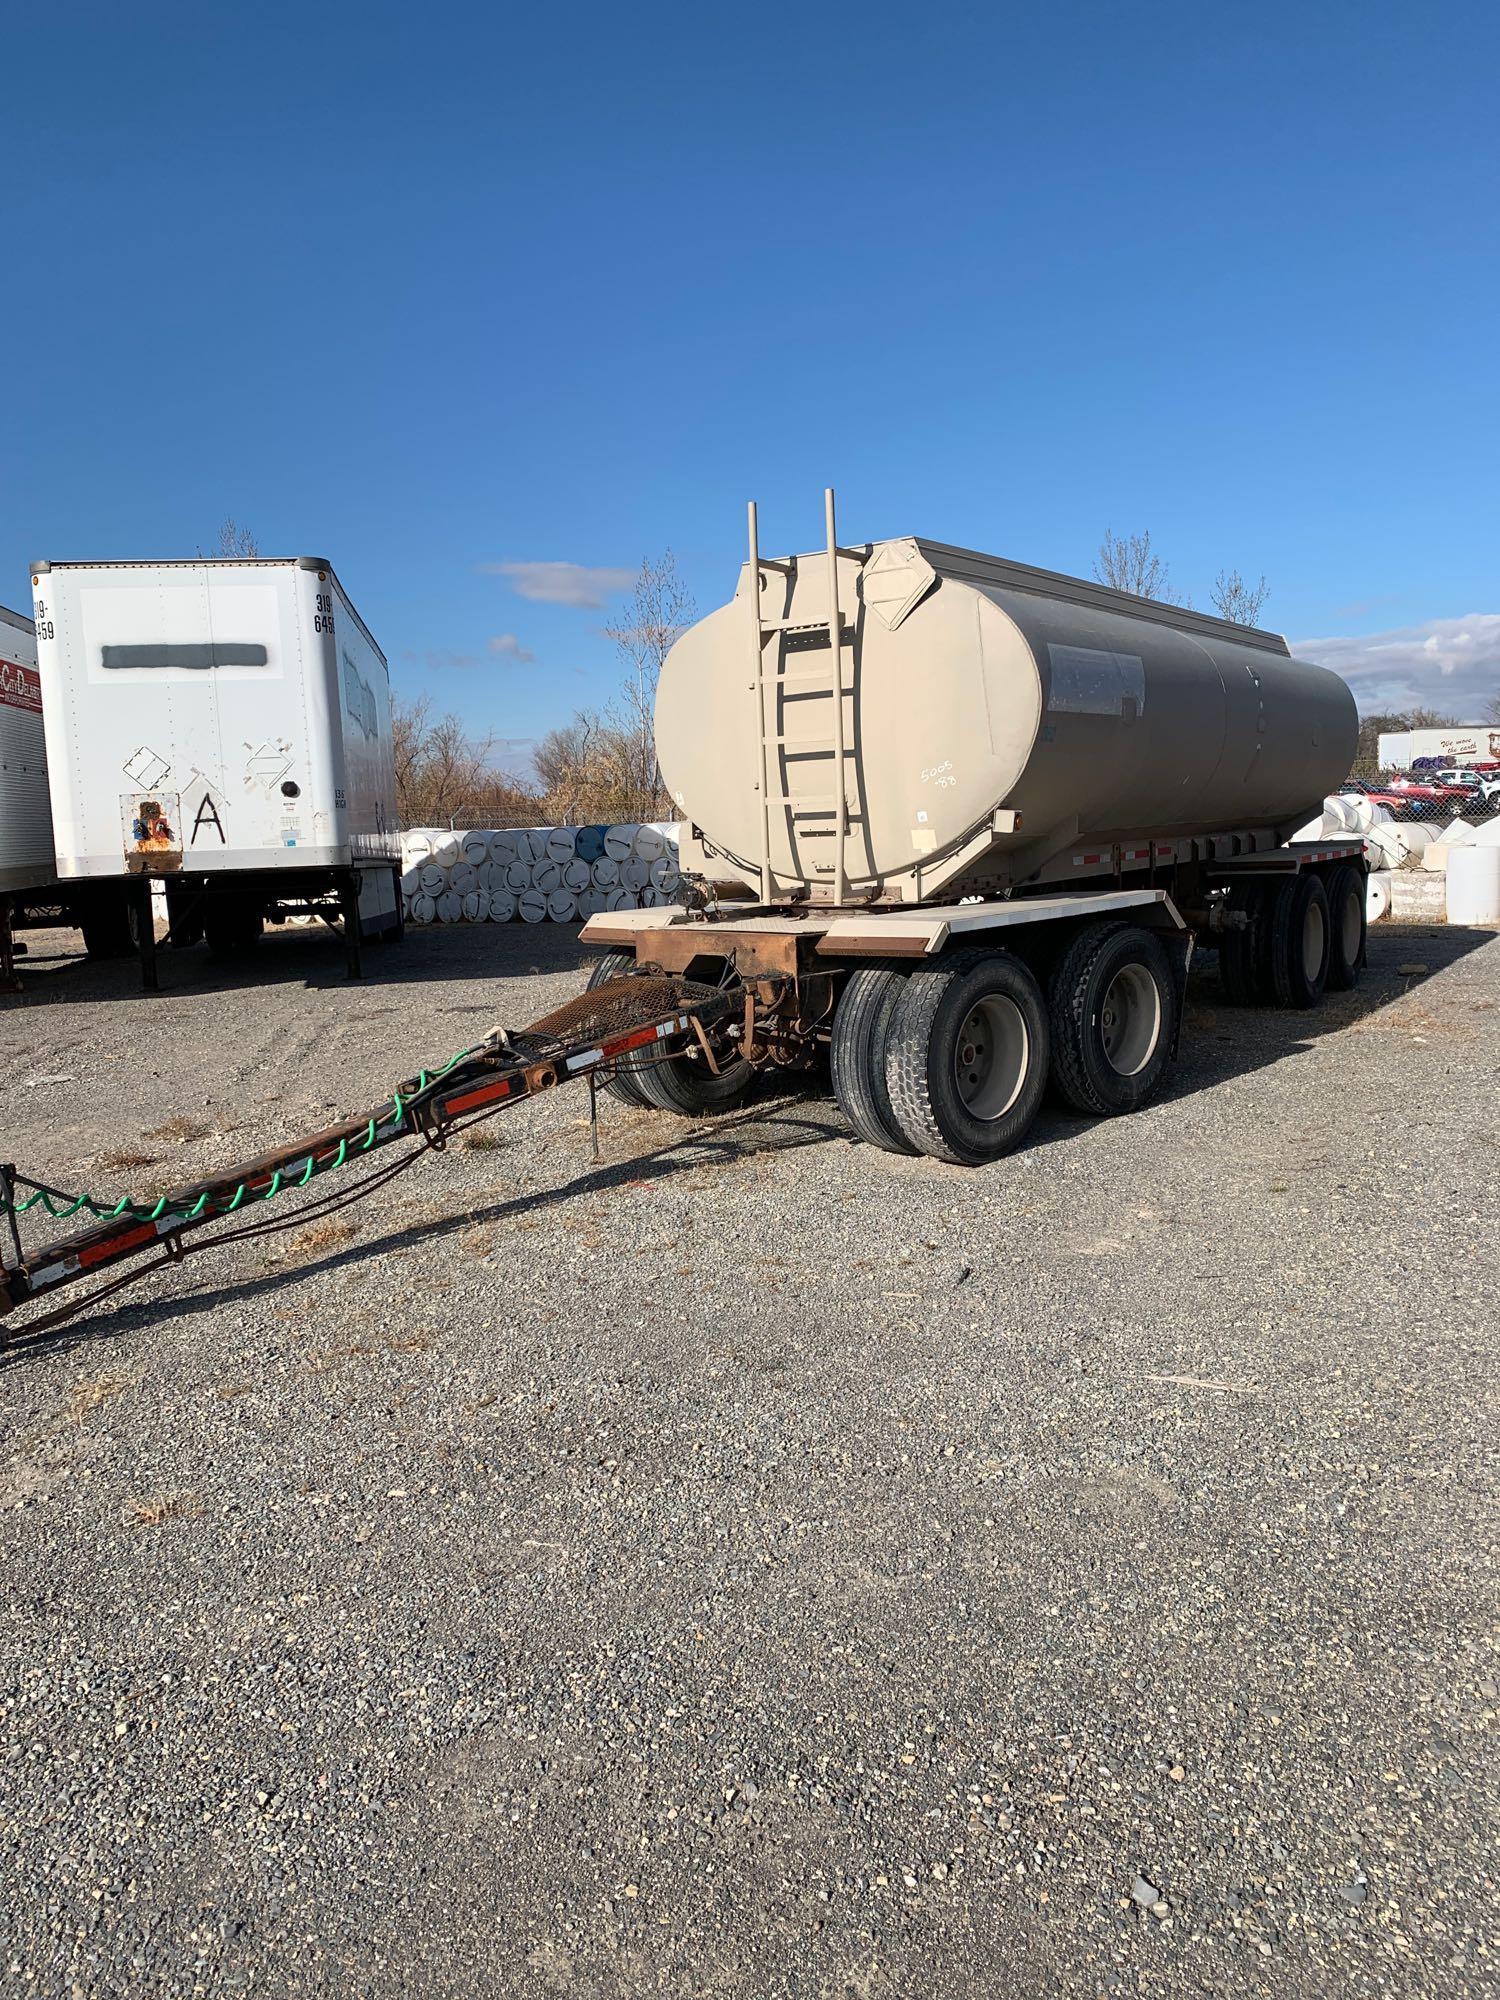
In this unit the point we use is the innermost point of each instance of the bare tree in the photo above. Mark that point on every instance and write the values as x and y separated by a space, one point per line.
1128 562
1492 710
235 540
1238 601
443 773
661 609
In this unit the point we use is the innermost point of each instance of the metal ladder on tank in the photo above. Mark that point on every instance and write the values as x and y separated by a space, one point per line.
774 742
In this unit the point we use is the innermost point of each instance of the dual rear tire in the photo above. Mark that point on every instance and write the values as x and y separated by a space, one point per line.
953 1060
1302 935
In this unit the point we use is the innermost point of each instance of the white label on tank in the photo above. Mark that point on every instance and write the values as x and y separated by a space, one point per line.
1087 682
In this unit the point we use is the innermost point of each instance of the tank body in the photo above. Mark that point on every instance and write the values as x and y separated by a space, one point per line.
994 716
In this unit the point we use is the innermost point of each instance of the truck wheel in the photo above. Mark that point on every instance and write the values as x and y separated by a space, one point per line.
1297 940
232 926
1346 927
108 923
1113 1016
1241 952
617 965
966 1056
686 1085
861 1027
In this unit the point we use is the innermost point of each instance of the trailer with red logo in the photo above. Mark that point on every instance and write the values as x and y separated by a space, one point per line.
25 808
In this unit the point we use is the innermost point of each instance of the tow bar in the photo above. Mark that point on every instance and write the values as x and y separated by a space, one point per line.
638 1019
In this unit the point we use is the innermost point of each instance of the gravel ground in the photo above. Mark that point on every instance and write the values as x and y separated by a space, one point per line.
757 1565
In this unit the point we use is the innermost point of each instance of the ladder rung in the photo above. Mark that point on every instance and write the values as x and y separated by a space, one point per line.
814 801
846 632
818 678
822 745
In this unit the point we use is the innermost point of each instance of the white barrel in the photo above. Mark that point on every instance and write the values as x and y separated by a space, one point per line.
476 907
635 874
475 847
606 873
423 910
450 907
561 843
619 842
433 879
486 873
405 908
518 877
576 876
446 849
536 843
546 876
664 872
502 906
464 877
1474 884
411 880
590 903
562 906
652 899
503 847
620 899
416 843
1377 895
649 845
533 907
1386 846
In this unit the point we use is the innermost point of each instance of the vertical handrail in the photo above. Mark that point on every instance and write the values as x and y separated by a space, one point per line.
836 645
758 640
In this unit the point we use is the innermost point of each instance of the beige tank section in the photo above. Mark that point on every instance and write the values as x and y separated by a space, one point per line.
994 716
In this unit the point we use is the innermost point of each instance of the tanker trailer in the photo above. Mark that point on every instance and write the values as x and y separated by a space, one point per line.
978 815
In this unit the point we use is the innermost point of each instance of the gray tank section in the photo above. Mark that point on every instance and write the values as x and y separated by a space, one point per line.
993 717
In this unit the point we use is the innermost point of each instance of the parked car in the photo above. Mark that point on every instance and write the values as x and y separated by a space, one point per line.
1484 785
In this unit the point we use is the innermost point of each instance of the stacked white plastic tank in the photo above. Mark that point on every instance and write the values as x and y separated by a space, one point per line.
1391 844
538 874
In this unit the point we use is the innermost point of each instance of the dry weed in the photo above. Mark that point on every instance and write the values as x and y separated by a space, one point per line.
152 1509
320 1236
93 1393
181 1128
123 1161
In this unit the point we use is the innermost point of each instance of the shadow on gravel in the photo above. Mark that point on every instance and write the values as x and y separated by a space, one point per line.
763 1126
55 968
1219 1043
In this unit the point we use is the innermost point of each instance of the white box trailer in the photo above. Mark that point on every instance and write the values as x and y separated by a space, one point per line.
223 726
25 813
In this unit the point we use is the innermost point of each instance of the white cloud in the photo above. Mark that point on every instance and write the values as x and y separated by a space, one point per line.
1450 664
506 646
435 658
562 582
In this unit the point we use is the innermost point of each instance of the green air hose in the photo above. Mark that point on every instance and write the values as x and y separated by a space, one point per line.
61 1206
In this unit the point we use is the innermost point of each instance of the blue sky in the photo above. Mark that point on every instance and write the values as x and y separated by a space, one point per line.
439 292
